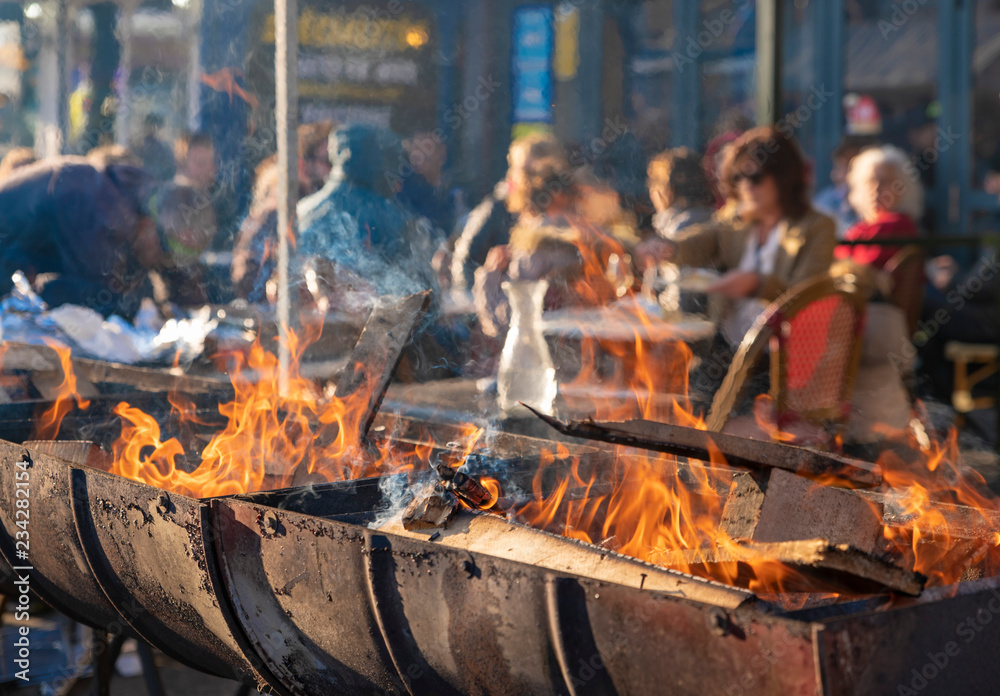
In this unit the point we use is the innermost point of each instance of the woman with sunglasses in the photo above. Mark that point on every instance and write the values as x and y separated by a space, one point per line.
776 239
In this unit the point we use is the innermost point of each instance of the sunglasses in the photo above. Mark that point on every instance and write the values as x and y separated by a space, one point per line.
753 179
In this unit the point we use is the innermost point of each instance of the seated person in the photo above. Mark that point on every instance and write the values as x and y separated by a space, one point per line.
489 224
776 239
550 241
834 199
255 253
314 156
186 222
599 205
888 200
680 191
84 228
960 305
352 230
426 191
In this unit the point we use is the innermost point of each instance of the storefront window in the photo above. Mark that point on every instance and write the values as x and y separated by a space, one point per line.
727 66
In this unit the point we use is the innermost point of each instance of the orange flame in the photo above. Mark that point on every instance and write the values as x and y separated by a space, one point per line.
271 439
49 423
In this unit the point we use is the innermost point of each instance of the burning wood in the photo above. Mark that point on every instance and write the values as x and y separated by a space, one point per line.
389 328
779 506
738 451
817 564
495 536
430 511
435 508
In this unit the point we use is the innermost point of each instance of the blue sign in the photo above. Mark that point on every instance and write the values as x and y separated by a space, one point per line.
532 70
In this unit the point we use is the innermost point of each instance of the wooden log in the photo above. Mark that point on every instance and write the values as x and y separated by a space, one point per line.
377 354
48 383
779 506
24 356
493 535
44 361
814 565
148 379
738 451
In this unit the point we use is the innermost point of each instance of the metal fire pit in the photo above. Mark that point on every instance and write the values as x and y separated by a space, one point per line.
60 576
457 622
146 549
291 588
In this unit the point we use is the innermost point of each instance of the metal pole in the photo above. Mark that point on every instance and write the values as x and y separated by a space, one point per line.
193 28
62 31
123 112
768 61
286 45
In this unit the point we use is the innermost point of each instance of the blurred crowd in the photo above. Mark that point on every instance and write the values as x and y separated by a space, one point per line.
378 214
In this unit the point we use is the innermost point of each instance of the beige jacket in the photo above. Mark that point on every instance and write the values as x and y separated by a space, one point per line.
805 249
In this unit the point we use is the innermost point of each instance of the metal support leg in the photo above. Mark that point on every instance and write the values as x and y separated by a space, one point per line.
103 663
150 673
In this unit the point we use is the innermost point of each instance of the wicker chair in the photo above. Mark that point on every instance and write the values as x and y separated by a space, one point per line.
906 268
814 333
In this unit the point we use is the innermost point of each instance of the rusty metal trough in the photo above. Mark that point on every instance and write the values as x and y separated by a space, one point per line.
287 590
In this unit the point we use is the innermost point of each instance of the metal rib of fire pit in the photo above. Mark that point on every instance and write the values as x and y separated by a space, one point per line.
146 548
298 587
60 575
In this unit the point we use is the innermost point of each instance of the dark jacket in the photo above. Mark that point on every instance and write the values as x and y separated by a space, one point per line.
487 226
67 218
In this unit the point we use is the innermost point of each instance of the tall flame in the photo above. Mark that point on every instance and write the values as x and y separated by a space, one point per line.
271 438
50 422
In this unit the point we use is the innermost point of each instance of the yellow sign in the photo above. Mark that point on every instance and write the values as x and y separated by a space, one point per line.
567 54
355 31
349 91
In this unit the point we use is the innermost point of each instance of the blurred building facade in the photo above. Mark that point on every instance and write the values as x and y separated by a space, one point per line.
921 74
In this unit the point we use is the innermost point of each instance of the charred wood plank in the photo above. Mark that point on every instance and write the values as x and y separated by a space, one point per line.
815 565
780 506
738 451
48 384
44 362
148 379
495 536
389 328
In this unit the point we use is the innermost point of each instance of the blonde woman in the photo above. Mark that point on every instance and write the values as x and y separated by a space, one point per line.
889 200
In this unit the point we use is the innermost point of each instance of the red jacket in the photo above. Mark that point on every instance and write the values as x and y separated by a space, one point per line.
886 226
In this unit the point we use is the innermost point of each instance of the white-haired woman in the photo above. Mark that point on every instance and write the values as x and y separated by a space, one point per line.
889 200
